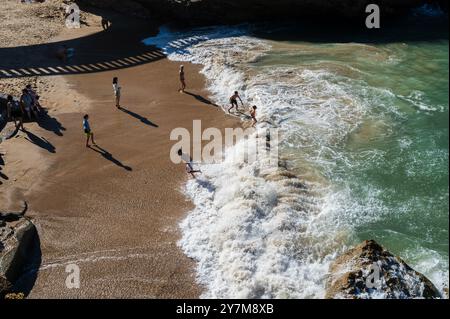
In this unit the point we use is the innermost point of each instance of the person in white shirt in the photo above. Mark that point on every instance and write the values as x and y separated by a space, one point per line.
117 90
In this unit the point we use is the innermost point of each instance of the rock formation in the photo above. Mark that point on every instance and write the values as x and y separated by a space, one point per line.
369 271
17 239
238 11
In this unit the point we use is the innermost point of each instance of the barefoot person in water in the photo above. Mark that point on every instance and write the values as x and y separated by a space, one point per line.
253 115
117 89
188 161
87 131
182 79
233 101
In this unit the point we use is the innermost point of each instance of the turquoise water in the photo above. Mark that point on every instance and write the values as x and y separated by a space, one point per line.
393 161
363 126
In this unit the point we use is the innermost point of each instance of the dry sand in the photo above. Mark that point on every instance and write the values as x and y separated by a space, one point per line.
112 211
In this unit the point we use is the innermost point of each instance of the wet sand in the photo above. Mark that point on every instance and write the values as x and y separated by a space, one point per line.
113 210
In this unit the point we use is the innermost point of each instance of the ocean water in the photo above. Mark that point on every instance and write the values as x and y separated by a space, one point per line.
364 153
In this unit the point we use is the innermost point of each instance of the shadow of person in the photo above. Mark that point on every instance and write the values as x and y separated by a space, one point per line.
50 124
144 120
107 155
2 163
40 141
201 99
5 177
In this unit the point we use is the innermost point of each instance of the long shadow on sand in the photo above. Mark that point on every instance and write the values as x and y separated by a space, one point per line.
2 176
50 124
107 155
144 120
201 99
39 141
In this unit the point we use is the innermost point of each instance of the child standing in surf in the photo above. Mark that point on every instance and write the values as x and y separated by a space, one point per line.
253 115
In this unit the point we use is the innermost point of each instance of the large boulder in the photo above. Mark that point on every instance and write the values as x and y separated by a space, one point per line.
369 271
17 240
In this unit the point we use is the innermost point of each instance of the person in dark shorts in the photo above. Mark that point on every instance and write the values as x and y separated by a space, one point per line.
88 131
117 91
182 79
253 115
233 101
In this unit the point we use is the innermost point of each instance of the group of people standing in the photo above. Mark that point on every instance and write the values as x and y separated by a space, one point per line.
28 107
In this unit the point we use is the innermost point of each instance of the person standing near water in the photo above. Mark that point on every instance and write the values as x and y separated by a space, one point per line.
233 101
253 115
117 90
87 131
182 80
187 159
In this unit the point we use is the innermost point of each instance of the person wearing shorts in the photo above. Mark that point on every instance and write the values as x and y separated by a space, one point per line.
182 79
88 131
27 102
253 115
117 89
233 101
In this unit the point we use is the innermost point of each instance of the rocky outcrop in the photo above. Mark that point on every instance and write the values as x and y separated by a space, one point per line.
369 271
17 239
5 287
237 11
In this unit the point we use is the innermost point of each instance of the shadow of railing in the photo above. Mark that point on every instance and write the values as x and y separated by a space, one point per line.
118 47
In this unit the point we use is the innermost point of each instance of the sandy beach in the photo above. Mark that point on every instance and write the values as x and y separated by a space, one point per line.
348 183
112 210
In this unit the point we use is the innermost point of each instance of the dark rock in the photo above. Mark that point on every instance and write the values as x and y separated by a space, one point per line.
5 287
17 240
352 276
237 11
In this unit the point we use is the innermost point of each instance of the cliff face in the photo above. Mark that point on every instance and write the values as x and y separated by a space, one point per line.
236 11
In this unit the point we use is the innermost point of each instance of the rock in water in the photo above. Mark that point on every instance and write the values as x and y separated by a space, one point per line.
369 271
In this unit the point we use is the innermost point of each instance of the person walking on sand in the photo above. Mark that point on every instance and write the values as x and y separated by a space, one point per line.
87 131
117 91
182 80
253 115
233 101
27 103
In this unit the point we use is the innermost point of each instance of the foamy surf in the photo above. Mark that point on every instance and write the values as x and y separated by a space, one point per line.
257 232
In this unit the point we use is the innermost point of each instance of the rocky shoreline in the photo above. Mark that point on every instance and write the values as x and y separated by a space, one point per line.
368 271
18 238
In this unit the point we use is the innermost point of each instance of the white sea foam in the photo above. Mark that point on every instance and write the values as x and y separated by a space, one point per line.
257 232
